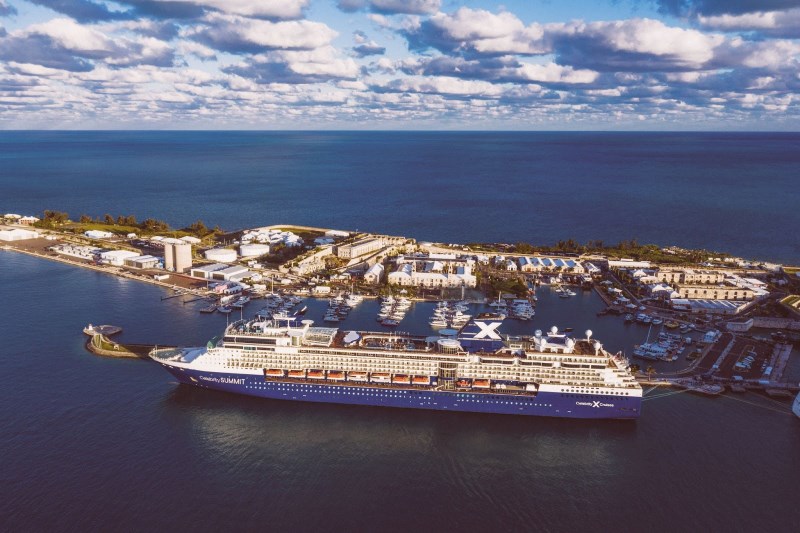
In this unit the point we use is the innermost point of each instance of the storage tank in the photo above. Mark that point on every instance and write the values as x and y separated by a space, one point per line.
221 255
253 250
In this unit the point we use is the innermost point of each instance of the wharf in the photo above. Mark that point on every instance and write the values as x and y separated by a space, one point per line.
102 345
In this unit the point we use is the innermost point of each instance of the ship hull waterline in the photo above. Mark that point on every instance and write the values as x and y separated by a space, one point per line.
551 404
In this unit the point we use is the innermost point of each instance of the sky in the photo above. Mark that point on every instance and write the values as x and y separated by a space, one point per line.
400 64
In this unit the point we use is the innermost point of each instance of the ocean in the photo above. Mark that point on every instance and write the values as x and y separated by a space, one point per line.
730 192
97 444
91 443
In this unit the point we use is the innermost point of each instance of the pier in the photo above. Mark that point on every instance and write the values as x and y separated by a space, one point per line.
101 345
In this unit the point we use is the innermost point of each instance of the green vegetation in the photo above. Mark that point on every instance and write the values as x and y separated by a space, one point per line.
122 225
630 248
507 285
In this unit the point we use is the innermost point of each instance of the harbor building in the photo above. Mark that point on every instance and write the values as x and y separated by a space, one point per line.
714 292
117 257
550 264
374 275
231 273
358 248
689 276
178 256
143 262
204 272
433 274
97 234
9 235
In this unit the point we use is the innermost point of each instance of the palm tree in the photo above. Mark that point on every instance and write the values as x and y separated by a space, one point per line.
650 371
634 368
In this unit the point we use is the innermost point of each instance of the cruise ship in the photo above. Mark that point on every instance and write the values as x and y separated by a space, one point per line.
475 369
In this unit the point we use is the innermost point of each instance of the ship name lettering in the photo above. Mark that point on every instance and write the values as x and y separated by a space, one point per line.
595 404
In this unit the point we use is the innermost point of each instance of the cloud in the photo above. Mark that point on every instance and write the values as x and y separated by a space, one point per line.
366 47
6 10
772 23
94 11
238 35
632 45
67 45
391 7
691 8
296 67
475 31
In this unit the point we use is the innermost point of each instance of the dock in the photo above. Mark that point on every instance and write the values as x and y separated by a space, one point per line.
102 345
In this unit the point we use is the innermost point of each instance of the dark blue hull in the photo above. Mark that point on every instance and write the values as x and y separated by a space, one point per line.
567 405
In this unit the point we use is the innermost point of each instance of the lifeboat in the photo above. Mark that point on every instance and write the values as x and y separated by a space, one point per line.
316 374
335 375
379 377
463 383
297 373
401 379
356 376
274 373
421 380
481 384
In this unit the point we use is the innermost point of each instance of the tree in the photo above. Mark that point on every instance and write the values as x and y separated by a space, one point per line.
634 368
108 219
85 219
130 220
120 220
650 371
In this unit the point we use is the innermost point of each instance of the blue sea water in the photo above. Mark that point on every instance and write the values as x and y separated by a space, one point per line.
96 444
732 192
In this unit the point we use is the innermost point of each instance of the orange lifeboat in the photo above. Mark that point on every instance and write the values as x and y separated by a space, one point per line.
335 375
274 373
481 384
379 377
421 380
316 374
297 373
401 379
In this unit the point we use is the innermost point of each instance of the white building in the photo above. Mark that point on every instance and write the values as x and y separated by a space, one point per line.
97 234
628 263
233 273
143 261
374 274
28 221
337 234
117 257
178 256
191 240
432 275
18 235
360 247
205 271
